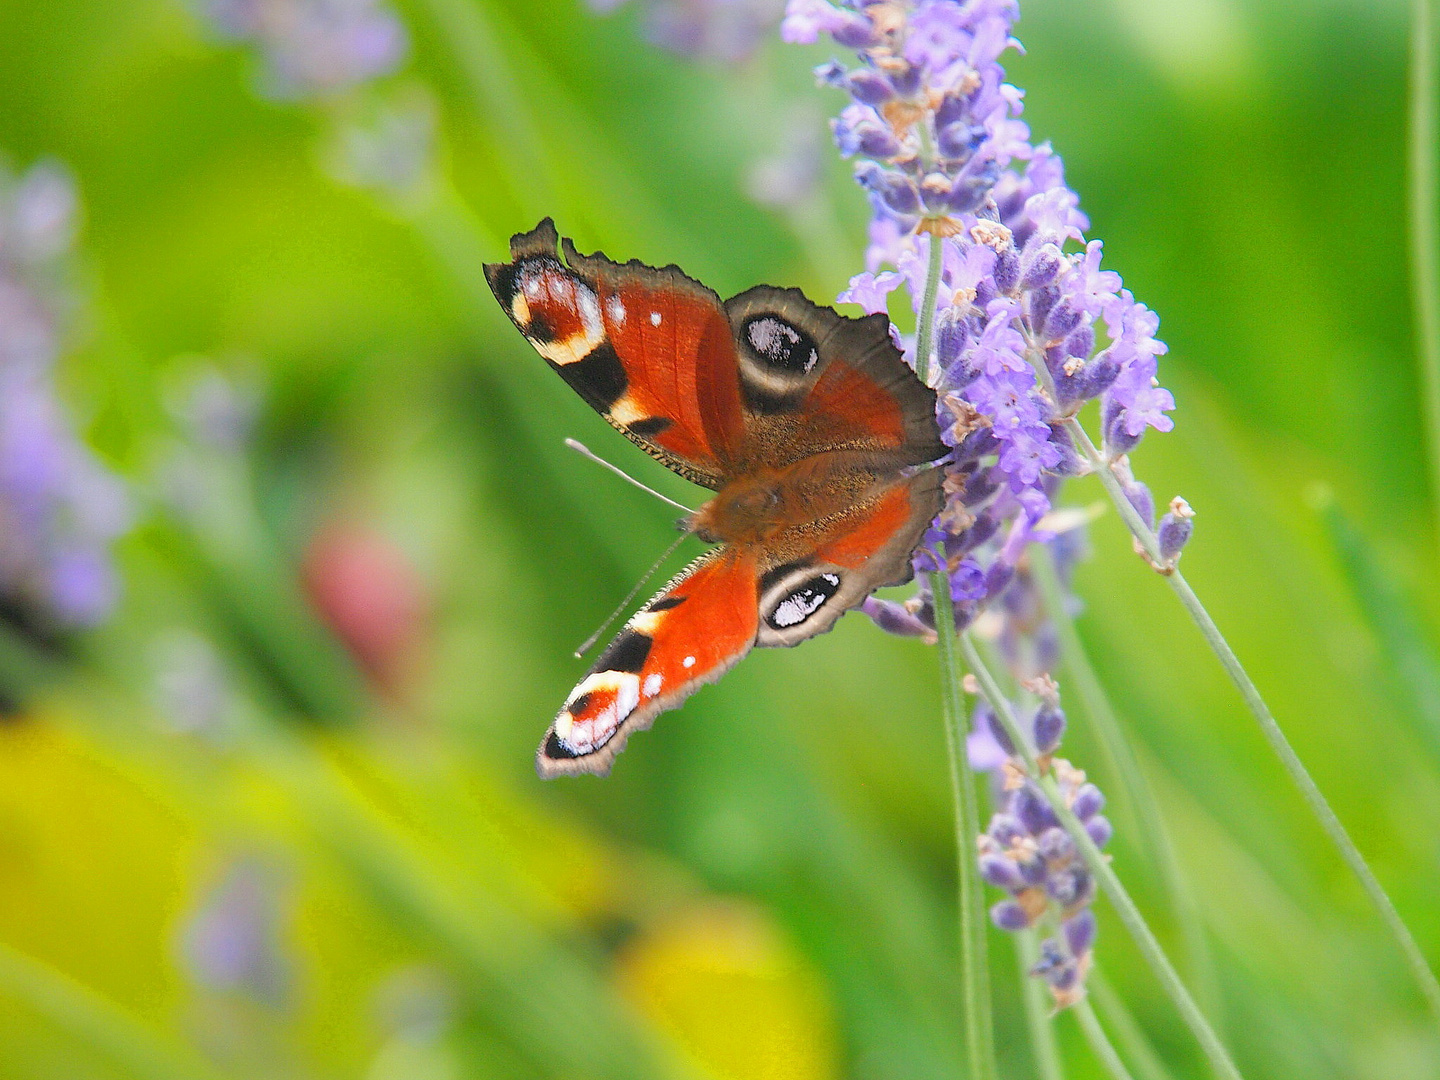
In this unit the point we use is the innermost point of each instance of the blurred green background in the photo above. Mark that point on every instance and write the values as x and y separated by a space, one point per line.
228 849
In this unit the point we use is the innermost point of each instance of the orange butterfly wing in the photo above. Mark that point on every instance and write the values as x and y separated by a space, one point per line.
694 630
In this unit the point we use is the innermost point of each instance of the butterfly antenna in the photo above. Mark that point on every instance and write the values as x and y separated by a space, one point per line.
585 451
590 641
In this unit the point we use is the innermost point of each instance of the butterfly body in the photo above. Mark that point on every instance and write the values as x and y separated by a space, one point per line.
807 425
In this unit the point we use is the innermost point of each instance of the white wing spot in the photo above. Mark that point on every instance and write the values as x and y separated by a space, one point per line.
652 684
615 308
589 305
654 318
689 661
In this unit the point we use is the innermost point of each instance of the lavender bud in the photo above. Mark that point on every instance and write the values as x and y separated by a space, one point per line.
1069 886
1175 529
1062 319
969 192
1032 810
984 717
1042 268
958 141
1049 727
977 444
1033 871
1070 463
906 79
894 189
856 33
1080 932
1052 959
1008 915
1100 830
1117 440
1097 377
1055 846
998 577
1001 872
874 140
870 87
1006 830
983 529
894 618
831 73
1006 272
935 191
1063 978
1141 499
967 582
1081 342
1088 802
1041 301
980 487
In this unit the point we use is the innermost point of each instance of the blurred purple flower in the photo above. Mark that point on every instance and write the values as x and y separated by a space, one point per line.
59 508
723 30
314 48
232 941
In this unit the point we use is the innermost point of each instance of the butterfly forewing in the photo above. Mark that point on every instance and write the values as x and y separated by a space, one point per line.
648 349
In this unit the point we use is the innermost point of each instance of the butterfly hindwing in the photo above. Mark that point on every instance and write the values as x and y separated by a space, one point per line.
649 349
816 576
697 628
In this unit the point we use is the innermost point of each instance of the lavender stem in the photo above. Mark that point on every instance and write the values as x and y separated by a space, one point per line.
1099 1041
1099 866
1038 1010
1319 806
974 959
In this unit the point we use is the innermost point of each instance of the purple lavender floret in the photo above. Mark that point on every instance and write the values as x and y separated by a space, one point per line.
1029 327
60 509
314 48
1027 854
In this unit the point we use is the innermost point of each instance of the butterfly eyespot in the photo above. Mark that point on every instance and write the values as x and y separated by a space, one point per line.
781 345
803 602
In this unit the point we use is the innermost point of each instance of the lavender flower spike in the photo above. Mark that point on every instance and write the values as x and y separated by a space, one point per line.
1027 853
1029 327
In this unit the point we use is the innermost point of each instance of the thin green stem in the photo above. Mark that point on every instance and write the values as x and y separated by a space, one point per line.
1424 235
1319 806
1099 866
96 1021
1038 1009
1143 808
925 328
1128 1031
974 960
1098 1040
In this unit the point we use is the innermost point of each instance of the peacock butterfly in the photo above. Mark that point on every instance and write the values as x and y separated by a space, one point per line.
807 425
